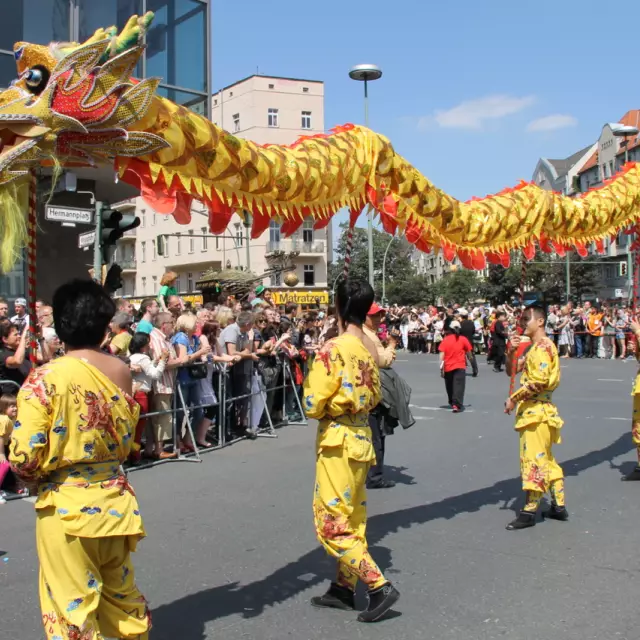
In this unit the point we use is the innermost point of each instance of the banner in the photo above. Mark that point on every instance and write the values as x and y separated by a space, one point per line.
300 297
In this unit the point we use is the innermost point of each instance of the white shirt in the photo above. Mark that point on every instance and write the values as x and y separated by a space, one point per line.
150 372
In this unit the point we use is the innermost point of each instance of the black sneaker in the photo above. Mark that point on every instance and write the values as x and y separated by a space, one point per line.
381 484
523 521
337 597
633 476
380 601
557 513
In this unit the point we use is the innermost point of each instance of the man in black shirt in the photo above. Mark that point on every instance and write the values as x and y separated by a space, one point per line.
14 362
468 330
499 341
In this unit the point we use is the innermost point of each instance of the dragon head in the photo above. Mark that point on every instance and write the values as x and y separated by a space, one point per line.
71 105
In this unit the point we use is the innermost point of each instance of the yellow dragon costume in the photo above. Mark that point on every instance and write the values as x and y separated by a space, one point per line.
76 104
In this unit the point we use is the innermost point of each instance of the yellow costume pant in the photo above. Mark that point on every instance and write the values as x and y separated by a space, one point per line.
340 512
539 469
635 424
87 587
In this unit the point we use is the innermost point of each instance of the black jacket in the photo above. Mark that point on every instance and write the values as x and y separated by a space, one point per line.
468 329
394 406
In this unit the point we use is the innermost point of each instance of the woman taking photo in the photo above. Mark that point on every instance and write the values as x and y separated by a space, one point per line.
453 363
76 419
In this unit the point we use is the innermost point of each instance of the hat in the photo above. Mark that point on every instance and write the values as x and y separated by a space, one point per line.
375 309
463 312
454 324
20 301
260 289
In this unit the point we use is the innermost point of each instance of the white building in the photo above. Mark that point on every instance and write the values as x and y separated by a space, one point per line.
264 109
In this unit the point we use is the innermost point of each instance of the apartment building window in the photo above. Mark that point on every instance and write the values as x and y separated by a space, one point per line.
272 86
305 89
306 119
144 285
155 284
217 243
274 233
178 244
153 219
189 282
276 279
272 117
204 238
239 236
236 122
611 169
143 251
192 241
154 250
143 219
309 272
307 231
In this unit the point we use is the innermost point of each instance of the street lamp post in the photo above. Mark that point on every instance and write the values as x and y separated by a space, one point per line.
626 132
366 73
384 272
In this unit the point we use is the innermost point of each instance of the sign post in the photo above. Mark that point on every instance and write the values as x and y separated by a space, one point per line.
68 215
97 248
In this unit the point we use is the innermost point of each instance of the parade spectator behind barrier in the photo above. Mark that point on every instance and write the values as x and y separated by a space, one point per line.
225 317
236 339
499 341
564 332
294 381
145 374
209 338
594 327
124 306
14 362
453 363
609 334
8 413
20 319
175 306
149 309
270 368
167 289
4 309
188 346
163 388
622 325
579 329
121 336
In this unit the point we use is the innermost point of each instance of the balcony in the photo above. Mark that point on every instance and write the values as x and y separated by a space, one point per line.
127 265
131 234
307 248
129 203
296 244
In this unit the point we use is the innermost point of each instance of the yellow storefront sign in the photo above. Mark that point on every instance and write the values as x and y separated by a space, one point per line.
300 297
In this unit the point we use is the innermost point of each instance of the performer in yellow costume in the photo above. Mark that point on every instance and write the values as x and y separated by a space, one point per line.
340 391
75 419
635 418
537 421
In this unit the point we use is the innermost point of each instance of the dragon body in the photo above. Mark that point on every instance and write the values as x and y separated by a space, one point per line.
77 105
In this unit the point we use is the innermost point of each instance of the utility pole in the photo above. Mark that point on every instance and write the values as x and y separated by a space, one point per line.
97 244
568 267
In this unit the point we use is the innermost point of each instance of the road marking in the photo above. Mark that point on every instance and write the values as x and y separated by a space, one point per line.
415 406
610 380
423 418
609 418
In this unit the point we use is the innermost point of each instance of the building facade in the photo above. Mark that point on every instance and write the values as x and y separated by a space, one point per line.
178 50
266 110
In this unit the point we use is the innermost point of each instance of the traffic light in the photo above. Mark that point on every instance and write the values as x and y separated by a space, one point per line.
622 268
114 223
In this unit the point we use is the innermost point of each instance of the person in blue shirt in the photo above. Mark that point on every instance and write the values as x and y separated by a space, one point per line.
149 310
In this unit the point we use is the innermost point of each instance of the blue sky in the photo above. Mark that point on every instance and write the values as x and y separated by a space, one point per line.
473 91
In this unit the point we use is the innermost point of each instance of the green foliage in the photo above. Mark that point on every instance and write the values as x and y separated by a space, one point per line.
462 286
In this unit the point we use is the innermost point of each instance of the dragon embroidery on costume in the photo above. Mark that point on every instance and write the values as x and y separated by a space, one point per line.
77 105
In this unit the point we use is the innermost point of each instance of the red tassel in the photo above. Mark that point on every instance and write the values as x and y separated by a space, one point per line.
529 251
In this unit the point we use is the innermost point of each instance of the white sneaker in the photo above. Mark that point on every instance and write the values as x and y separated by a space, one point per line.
3 500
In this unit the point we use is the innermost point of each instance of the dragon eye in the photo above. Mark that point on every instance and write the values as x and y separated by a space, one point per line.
36 79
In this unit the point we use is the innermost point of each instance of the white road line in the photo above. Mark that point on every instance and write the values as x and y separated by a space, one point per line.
610 380
415 406
609 418
424 417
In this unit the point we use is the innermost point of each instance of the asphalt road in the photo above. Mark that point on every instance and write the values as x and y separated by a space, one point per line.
231 551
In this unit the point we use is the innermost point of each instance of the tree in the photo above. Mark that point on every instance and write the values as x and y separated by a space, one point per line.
414 289
397 266
462 286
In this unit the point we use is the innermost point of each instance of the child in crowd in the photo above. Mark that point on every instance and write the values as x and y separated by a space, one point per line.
144 372
8 413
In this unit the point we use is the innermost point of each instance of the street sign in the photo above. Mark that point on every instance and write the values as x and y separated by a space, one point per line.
86 239
619 293
71 215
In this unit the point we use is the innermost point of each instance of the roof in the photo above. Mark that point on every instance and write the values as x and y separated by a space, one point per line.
631 118
563 167
259 75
